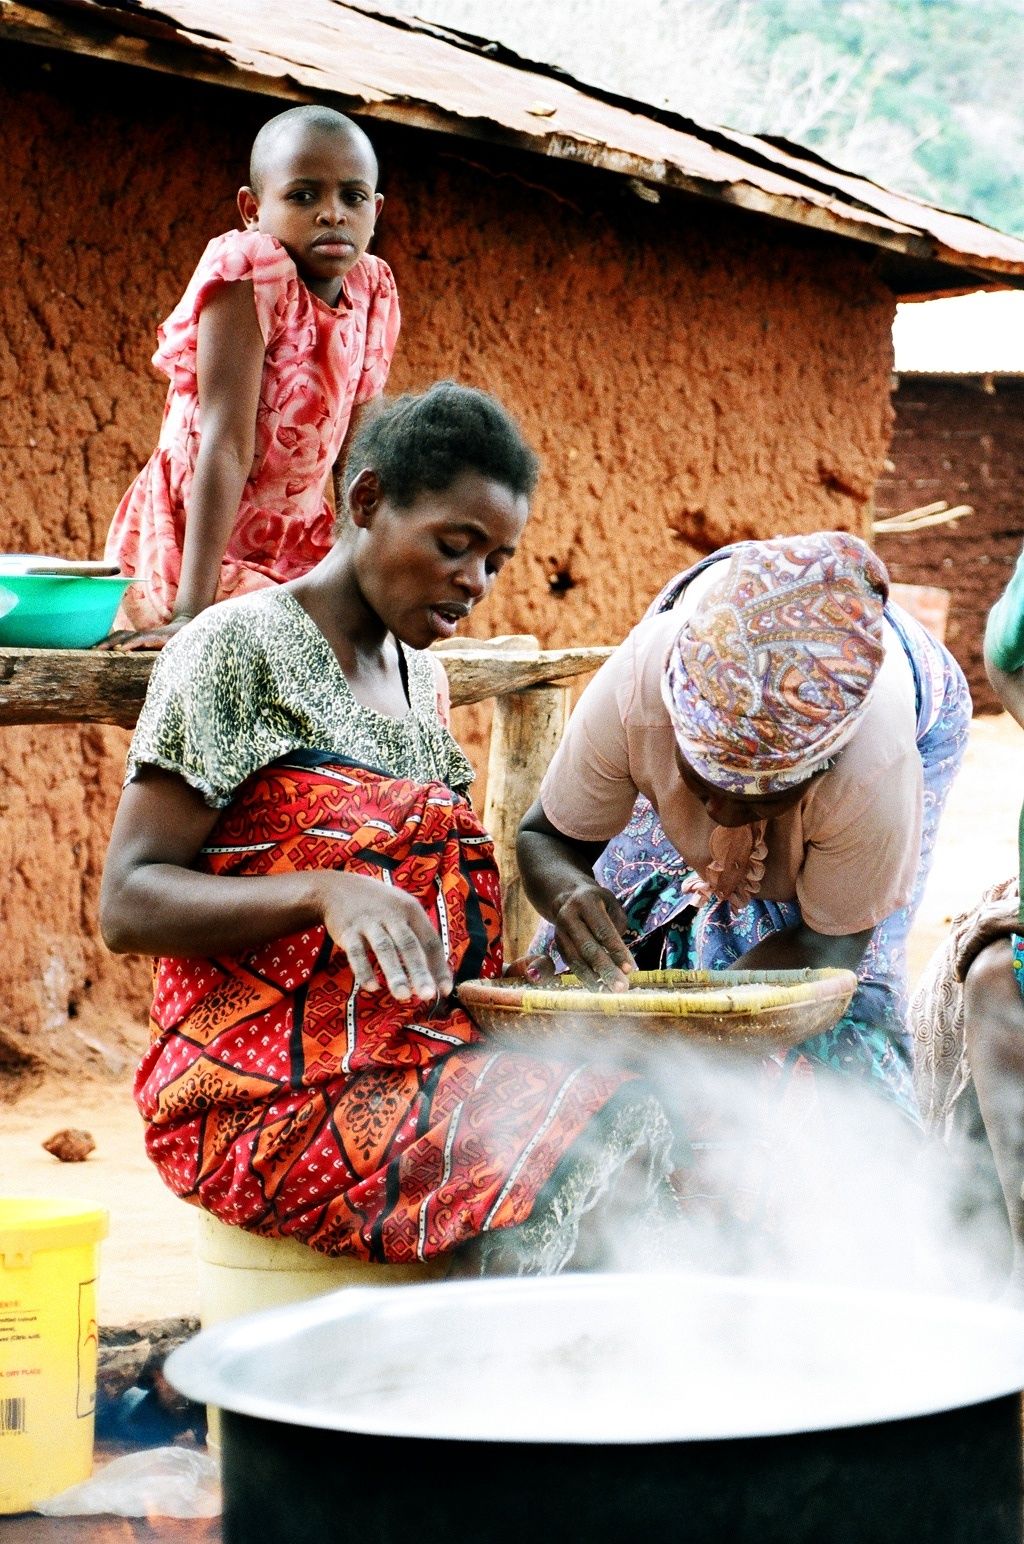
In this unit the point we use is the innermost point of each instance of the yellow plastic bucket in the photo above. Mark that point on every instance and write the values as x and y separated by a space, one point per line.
240 1273
49 1341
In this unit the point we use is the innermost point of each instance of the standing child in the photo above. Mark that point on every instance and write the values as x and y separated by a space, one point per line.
283 336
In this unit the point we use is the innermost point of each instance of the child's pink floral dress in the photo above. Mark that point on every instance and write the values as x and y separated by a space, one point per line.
321 361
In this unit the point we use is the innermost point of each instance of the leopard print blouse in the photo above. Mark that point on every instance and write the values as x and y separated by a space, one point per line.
254 679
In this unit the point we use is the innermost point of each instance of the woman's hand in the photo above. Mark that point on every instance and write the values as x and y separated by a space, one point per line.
535 968
590 928
590 925
365 918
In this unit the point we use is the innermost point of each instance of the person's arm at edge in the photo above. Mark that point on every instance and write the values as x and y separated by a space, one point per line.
1004 631
1004 661
1004 665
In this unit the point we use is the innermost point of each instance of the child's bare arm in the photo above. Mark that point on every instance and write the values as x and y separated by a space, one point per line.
229 368
361 413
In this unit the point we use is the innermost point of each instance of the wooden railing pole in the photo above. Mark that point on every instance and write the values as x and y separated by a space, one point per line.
86 686
525 732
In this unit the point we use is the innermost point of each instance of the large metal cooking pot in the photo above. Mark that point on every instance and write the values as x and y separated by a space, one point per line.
702 1410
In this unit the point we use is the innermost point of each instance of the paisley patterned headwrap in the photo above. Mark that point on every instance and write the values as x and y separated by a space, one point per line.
769 677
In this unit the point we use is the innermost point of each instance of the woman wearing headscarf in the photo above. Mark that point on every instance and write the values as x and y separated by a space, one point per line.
754 781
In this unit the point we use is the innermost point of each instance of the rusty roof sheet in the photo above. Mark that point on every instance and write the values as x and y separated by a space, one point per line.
417 73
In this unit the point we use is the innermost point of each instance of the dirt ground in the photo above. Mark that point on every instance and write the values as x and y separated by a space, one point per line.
147 1266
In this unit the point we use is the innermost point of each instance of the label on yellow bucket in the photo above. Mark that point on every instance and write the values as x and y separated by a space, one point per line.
88 1349
48 1348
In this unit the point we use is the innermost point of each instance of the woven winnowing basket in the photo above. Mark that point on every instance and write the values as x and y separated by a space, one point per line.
755 1010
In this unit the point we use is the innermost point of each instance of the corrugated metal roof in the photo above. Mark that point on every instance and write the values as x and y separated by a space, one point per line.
968 335
413 72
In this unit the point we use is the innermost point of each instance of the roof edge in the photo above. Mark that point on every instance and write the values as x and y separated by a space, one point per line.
150 38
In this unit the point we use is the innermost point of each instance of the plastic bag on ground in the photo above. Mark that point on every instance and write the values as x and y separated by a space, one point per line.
158 1482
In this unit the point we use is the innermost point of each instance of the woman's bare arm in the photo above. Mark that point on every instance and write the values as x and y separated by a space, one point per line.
590 924
800 947
153 901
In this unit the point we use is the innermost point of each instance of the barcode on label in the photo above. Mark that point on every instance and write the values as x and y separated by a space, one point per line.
12 1415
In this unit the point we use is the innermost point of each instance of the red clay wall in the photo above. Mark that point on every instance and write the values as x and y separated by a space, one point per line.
956 441
689 375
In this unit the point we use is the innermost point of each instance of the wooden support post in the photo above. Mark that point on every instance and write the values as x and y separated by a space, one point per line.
525 733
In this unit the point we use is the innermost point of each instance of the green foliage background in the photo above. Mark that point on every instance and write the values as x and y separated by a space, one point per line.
949 72
922 95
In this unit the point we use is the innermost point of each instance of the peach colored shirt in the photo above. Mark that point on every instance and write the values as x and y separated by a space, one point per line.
847 853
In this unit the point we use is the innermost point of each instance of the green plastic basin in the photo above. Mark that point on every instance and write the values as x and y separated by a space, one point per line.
44 611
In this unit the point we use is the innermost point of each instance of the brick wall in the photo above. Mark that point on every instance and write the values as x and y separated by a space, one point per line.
957 440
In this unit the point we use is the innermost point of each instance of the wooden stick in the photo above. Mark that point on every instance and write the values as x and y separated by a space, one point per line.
913 514
86 686
525 733
900 524
476 674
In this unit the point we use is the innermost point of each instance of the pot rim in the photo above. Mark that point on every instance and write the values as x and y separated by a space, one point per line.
208 1368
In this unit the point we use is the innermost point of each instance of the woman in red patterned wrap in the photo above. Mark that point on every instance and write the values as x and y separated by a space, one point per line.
295 845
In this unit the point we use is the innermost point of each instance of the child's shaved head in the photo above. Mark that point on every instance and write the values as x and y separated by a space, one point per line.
282 131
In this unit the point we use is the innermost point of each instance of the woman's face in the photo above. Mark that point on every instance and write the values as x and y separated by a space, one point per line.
729 809
423 568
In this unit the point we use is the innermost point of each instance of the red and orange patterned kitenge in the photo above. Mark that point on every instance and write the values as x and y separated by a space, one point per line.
285 1102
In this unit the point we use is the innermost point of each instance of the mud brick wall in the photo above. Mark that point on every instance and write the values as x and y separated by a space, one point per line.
690 375
960 439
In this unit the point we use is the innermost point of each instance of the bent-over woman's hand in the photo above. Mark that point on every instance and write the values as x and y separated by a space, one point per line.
590 928
368 920
535 968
